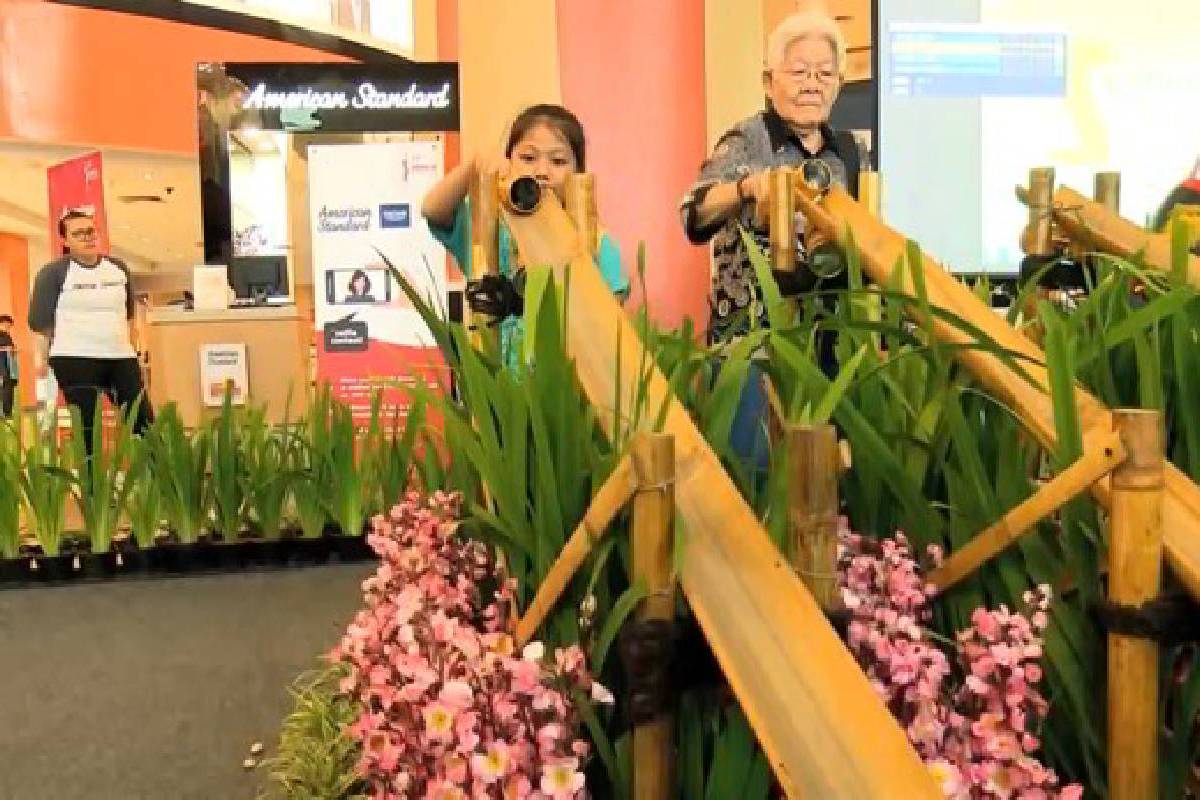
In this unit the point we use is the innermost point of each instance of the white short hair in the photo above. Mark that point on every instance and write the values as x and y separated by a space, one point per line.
804 25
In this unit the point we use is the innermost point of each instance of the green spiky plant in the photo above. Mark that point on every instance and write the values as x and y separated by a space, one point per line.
101 484
144 501
336 463
269 468
45 489
316 758
180 461
226 459
10 489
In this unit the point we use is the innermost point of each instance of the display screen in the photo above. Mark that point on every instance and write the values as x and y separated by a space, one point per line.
974 93
362 286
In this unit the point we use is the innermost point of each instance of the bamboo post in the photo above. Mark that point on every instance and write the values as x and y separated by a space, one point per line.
485 223
1135 550
580 203
653 521
868 191
1108 191
1041 224
815 461
782 219
485 249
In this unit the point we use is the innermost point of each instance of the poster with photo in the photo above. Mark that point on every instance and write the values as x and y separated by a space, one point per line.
365 201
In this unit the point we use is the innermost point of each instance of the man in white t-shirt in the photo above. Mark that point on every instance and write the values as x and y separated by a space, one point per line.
82 314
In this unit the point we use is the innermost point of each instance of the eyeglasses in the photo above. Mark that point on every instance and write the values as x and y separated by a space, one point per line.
86 211
822 75
84 233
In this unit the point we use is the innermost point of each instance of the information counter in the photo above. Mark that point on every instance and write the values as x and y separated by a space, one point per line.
260 353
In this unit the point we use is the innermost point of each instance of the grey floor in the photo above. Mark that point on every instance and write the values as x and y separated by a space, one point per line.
156 689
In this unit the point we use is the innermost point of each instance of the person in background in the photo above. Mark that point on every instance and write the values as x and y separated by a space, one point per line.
545 142
82 312
805 63
1186 193
8 367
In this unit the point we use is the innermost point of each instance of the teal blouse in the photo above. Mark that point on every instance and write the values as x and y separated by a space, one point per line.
457 239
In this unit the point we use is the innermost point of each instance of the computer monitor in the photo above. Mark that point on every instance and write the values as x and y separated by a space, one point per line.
254 277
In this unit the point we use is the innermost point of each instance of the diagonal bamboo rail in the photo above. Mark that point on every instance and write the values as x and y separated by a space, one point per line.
1097 461
1093 225
882 249
823 728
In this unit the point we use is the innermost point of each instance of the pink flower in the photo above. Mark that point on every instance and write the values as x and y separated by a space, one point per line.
439 722
562 780
457 695
493 764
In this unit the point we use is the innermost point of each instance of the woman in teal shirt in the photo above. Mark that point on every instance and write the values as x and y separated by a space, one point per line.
545 142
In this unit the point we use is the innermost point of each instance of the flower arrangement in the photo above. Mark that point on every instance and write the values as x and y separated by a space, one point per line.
975 735
448 710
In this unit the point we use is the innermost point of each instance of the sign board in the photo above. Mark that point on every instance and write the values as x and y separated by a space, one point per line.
223 369
77 184
347 97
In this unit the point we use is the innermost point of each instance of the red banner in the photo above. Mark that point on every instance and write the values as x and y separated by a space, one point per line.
77 183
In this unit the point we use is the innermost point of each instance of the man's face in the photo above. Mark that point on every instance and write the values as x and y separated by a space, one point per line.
5 326
81 237
802 88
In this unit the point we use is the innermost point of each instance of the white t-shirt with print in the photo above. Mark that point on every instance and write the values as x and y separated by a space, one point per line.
91 319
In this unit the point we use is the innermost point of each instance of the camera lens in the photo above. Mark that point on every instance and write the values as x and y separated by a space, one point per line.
816 174
524 194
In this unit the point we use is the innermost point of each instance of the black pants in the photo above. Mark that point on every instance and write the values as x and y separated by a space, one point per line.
8 397
83 380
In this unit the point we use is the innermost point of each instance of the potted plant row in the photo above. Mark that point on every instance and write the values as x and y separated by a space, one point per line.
236 492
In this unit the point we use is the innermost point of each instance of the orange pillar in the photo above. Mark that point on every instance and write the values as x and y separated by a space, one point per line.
14 300
633 72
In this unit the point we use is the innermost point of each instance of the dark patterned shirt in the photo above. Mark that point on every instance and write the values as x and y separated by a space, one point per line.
759 142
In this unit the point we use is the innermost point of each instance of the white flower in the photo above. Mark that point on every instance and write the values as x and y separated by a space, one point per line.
534 651
601 694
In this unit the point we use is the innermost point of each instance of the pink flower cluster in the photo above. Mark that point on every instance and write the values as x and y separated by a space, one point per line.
449 710
976 737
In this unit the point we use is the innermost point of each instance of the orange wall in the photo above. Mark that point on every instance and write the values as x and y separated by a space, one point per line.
101 78
634 74
14 300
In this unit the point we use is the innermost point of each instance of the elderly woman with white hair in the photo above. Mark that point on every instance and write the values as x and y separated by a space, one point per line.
806 56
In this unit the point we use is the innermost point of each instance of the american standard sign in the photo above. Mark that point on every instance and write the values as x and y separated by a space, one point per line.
367 97
400 96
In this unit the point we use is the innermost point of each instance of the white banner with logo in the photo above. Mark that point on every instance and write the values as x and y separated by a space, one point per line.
365 200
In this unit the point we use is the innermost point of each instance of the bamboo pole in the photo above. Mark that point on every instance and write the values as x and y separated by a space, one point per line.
883 248
1107 191
653 521
823 728
782 219
580 203
1095 227
485 252
1098 460
485 224
1041 222
869 192
1135 566
814 458
608 502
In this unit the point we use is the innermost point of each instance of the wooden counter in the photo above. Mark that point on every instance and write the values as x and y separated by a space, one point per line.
277 345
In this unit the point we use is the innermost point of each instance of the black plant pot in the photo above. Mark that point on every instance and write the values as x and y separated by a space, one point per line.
126 562
13 572
251 552
318 550
350 549
52 569
209 553
171 556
